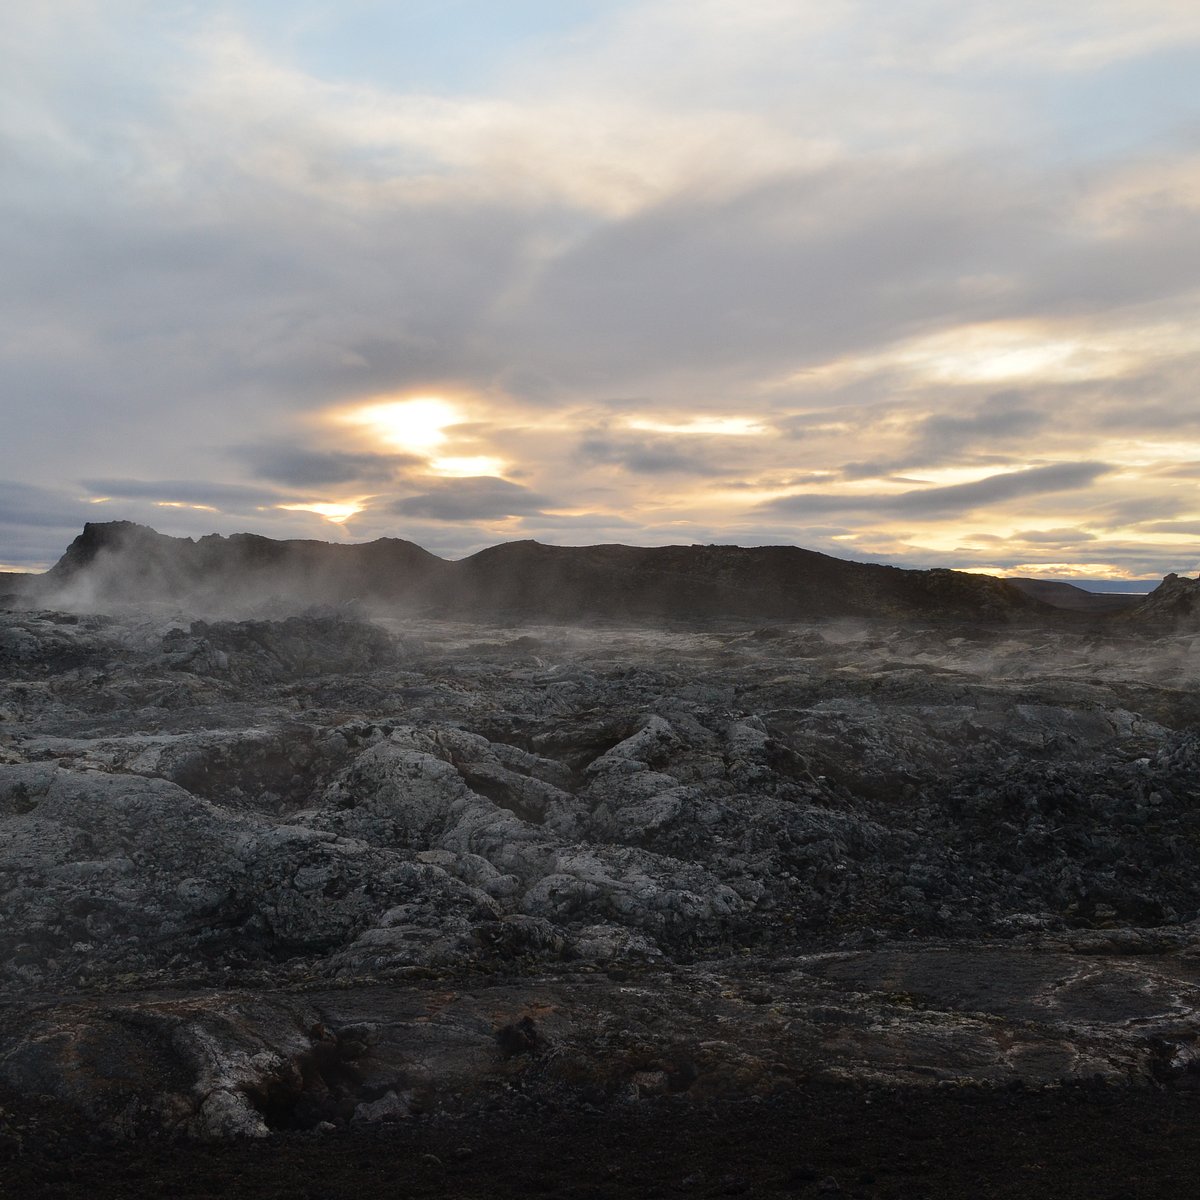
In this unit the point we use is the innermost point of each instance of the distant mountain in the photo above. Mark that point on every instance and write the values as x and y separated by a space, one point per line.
122 562
1076 599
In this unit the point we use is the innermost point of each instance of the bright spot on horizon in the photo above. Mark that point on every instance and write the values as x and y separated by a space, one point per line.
469 466
725 426
337 513
1056 570
417 425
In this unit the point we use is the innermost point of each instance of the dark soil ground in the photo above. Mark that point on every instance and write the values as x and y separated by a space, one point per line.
1094 1143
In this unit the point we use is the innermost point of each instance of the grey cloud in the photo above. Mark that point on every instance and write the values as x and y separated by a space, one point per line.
942 438
645 455
956 498
1140 416
37 523
185 491
797 269
1053 537
28 504
802 425
299 467
473 499
870 470
1136 510
1189 529
940 435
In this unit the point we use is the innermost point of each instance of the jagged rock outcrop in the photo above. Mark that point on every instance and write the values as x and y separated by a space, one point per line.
1173 605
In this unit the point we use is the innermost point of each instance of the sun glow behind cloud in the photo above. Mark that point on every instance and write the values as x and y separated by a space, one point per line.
468 465
337 513
719 426
417 425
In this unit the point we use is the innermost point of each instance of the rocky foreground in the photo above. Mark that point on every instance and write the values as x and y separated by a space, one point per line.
327 873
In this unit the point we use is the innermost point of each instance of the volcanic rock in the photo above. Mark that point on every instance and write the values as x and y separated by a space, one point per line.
1174 604
303 870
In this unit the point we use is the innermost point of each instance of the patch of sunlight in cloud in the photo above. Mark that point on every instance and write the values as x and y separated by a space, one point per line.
1142 452
468 466
720 497
181 504
948 476
721 426
337 513
1004 353
998 352
1183 542
417 425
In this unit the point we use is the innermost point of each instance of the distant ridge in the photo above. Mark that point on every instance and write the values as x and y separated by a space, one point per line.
1077 599
120 562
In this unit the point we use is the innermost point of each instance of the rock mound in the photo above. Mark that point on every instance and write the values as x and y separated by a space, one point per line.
1174 604
121 562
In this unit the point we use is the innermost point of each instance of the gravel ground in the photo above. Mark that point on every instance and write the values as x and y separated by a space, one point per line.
957 1144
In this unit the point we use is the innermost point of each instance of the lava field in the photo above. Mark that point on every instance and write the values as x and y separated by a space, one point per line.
322 874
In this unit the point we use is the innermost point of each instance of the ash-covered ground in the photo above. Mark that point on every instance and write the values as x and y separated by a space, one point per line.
332 874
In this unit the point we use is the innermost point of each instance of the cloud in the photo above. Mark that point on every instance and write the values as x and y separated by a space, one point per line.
1134 511
28 504
942 434
299 468
1053 537
644 455
229 496
471 499
1183 529
932 502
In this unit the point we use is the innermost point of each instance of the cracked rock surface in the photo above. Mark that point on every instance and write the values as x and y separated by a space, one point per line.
322 870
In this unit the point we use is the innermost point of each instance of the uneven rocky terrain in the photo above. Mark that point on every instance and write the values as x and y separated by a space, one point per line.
343 870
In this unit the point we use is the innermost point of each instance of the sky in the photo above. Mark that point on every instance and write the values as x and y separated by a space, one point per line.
914 282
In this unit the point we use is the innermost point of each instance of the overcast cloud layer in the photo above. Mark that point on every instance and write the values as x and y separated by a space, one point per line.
915 282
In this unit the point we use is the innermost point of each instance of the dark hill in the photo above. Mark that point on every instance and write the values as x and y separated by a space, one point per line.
1174 604
1076 599
713 581
123 562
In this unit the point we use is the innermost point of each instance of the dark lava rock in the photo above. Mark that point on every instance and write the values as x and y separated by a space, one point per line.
314 870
